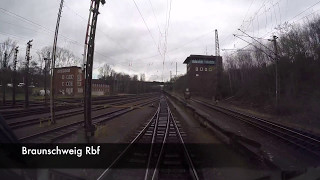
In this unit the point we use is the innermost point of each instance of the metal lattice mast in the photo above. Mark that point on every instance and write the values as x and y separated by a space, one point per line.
14 81
217 43
46 62
53 64
85 58
26 86
88 122
274 40
4 83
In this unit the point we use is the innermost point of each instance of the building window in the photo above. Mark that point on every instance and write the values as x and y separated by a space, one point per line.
69 90
79 77
201 68
62 84
210 69
196 68
79 83
69 76
70 83
62 77
205 69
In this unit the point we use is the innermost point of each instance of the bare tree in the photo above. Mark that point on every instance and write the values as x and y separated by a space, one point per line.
142 77
7 47
43 53
105 71
6 51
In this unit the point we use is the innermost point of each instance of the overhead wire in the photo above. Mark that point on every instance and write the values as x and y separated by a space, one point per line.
99 29
145 23
47 29
305 10
308 8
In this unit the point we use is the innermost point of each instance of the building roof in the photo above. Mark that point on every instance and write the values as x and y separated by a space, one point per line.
67 67
200 57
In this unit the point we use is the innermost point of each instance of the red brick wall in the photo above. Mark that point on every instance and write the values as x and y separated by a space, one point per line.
203 79
69 81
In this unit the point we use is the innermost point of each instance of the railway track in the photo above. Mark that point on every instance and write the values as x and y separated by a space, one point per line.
63 106
67 113
157 152
303 140
52 135
19 104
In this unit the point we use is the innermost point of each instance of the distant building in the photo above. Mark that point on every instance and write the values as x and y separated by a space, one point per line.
70 81
100 87
203 74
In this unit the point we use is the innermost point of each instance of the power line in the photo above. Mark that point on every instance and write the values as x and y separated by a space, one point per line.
155 17
47 29
296 16
247 12
144 22
293 17
305 10
105 34
179 47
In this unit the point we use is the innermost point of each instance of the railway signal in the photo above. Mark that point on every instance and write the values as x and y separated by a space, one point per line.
4 83
26 86
14 81
46 62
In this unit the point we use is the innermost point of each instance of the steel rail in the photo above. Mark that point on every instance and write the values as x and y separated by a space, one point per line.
156 170
156 115
193 171
285 133
97 119
162 132
42 110
60 114
152 144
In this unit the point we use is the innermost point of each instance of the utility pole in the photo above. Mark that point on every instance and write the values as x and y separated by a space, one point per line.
217 43
14 81
4 82
274 40
170 76
46 62
89 127
275 58
26 86
53 65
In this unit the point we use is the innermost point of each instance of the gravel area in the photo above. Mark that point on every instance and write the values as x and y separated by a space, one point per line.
117 130
222 162
299 121
25 131
283 155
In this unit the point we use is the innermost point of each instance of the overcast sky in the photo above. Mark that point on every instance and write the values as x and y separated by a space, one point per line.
124 41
